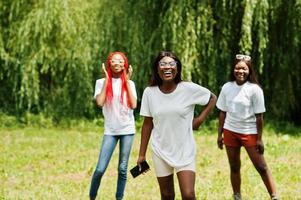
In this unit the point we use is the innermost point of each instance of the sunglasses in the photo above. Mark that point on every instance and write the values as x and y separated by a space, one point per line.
117 61
165 64
243 57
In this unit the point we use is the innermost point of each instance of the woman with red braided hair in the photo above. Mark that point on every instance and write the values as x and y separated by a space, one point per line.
116 94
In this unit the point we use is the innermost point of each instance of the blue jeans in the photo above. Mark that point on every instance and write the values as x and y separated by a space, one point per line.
108 145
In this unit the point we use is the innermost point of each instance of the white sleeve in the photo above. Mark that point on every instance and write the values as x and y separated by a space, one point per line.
258 100
199 94
221 101
98 87
145 110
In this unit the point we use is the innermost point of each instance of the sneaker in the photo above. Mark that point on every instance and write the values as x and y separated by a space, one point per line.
274 197
237 196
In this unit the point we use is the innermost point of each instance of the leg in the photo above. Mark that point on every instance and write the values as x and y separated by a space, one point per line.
186 182
107 148
125 145
167 189
234 162
261 166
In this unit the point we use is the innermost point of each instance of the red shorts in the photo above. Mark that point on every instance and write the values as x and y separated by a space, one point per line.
233 139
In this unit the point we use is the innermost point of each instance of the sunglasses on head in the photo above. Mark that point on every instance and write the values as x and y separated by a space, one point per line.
243 57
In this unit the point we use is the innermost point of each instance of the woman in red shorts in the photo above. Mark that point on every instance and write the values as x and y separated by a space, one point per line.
241 105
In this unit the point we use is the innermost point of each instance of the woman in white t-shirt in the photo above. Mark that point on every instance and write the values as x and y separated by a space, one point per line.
168 108
116 94
241 105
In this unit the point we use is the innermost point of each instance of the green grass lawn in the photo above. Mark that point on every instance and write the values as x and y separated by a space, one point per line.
57 163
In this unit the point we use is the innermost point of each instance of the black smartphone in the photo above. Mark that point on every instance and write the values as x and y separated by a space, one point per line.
135 170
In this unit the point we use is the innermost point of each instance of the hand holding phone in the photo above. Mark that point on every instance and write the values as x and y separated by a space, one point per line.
135 171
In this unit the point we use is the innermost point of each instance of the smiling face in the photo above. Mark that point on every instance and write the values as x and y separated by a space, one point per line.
241 72
117 64
167 69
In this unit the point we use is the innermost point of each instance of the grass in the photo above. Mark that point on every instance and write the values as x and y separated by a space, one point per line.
57 163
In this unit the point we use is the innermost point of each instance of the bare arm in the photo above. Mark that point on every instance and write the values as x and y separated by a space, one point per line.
145 136
221 121
259 126
199 119
133 100
101 97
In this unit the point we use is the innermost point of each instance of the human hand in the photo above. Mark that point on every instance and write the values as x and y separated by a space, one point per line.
140 160
129 72
104 70
260 146
220 142
194 125
196 122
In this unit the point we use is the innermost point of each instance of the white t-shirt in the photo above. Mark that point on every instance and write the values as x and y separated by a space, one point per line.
118 118
241 102
172 134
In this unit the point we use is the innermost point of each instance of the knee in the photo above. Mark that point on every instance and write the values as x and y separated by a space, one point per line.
98 172
262 169
235 168
122 169
167 195
188 195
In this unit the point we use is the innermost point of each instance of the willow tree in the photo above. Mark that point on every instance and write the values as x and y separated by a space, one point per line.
51 50
50 43
131 27
187 29
282 66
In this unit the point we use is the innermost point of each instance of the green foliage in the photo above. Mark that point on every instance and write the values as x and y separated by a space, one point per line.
52 58
51 51
282 61
245 42
260 33
42 121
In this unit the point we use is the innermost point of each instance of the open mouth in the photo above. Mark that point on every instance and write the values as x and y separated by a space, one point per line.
240 76
167 72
